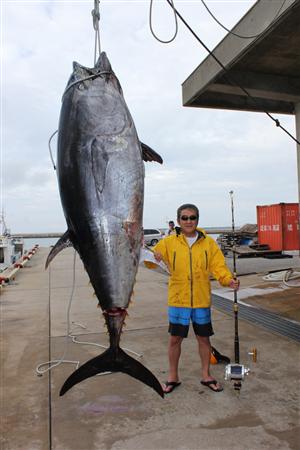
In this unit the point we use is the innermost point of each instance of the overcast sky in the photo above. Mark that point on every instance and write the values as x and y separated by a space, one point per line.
206 152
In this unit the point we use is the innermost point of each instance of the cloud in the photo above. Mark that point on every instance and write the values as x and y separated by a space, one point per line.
206 152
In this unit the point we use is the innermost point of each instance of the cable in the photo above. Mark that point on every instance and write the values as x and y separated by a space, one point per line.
96 19
283 276
231 79
151 28
50 149
49 358
239 35
95 75
40 370
291 274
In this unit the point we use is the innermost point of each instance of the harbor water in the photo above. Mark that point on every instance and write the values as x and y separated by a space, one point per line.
42 242
47 242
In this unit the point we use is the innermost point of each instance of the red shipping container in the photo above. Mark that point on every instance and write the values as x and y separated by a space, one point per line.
278 226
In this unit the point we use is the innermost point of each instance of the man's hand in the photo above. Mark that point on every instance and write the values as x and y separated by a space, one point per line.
157 256
234 284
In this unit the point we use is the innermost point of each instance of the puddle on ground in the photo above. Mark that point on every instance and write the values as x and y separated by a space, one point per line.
241 420
110 404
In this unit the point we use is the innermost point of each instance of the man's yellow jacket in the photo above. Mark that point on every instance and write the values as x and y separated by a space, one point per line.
190 269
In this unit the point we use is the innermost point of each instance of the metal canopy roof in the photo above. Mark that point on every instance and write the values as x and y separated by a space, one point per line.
267 66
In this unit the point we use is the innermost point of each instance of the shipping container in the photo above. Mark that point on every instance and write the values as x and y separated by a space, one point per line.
278 226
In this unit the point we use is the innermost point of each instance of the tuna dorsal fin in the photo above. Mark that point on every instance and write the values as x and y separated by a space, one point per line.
60 245
150 155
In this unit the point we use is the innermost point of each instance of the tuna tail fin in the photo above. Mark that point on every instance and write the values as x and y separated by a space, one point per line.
60 245
149 154
113 360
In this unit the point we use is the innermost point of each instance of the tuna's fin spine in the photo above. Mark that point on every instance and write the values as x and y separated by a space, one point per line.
114 359
149 154
60 245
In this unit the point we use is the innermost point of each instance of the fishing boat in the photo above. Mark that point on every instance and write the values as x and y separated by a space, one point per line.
11 248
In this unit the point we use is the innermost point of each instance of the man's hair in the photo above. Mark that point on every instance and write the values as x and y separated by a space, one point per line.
171 222
187 206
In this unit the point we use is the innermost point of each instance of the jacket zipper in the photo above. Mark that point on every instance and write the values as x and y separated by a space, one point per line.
174 259
206 259
191 272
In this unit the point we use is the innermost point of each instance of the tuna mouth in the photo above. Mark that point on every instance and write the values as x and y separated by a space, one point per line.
115 312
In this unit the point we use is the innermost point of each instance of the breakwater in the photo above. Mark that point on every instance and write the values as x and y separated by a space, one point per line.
209 230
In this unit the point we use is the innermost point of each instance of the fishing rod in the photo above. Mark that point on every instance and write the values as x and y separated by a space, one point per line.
236 372
235 303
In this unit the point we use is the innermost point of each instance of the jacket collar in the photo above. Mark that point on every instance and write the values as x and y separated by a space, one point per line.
200 231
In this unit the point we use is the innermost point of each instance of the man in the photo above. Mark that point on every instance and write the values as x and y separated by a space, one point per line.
171 229
191 257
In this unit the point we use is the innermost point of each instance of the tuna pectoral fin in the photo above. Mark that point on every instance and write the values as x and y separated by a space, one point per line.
113 361
150 155
60 245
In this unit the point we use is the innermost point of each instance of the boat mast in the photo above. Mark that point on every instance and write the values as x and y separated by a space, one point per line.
4 229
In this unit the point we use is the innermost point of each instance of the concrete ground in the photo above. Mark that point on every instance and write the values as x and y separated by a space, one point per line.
117 412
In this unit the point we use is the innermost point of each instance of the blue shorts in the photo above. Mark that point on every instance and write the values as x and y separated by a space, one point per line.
179 321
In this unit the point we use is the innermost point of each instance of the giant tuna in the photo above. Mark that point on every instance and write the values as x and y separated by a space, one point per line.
101 182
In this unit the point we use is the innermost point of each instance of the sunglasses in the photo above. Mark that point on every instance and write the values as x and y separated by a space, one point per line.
185 218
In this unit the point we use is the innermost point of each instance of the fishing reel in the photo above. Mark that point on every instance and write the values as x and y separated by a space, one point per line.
237 372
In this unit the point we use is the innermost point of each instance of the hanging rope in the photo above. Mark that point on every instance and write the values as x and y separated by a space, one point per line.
229 78
96 19
50 149
49 365
151 28
239 35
